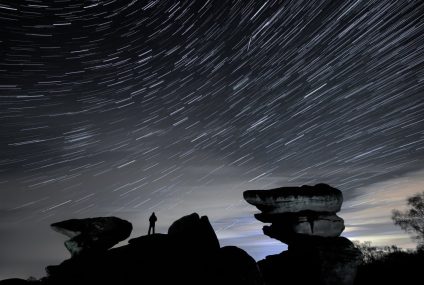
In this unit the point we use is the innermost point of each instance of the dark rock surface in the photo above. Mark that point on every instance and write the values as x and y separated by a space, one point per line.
152 259
324 261
327 261
93 234
195 231
235 266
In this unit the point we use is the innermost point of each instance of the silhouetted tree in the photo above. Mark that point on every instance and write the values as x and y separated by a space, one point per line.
389 265
412 220
372 253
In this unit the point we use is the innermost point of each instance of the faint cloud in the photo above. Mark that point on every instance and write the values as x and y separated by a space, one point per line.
368 215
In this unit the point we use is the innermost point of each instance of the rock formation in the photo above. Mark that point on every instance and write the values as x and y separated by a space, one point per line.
305 219
189 254
93 234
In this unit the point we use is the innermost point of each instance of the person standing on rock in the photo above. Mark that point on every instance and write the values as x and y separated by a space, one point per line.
152 221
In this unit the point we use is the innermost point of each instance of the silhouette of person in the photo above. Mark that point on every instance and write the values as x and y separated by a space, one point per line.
152 221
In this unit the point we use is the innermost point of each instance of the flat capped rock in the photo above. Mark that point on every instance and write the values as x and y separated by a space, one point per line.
319 198
93 234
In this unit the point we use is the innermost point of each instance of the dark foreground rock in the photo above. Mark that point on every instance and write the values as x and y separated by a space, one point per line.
93 234
235 266
313 261
189 254
195 231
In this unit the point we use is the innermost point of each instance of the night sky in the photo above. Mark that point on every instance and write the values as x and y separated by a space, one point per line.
127 107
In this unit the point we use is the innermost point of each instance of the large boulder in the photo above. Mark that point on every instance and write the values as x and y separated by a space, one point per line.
319 198
195 231
93 234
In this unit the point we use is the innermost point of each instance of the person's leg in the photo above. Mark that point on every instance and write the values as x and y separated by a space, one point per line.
150 228
153 228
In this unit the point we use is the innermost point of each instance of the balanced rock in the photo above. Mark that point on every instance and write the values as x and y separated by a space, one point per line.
305 219
93 234
319 198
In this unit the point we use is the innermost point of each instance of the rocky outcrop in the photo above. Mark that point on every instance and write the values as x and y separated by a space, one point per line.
93 234
305 219
188 254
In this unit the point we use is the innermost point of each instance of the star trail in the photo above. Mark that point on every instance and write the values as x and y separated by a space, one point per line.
127 107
